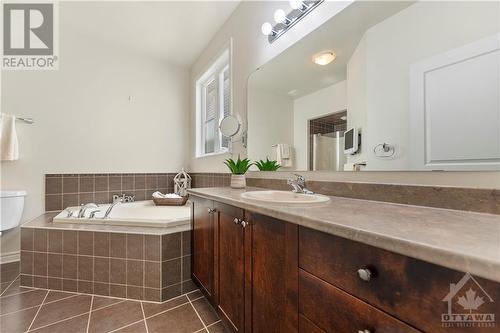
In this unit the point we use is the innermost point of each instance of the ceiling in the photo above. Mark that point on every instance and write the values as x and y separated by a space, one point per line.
293 72
176 31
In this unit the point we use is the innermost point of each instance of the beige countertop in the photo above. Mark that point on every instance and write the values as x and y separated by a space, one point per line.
459 240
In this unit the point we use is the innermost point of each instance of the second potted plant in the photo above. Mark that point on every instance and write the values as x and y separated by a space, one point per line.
238 169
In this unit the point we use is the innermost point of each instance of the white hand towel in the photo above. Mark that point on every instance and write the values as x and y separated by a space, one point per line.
8 138
284 155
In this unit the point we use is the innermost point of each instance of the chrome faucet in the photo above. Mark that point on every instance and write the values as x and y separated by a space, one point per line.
108 211
299 184
83 208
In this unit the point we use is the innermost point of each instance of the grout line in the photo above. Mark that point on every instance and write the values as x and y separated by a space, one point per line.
128 325
216 322
90 313
38 311
143 316
60 321
165 311
10 284
202 322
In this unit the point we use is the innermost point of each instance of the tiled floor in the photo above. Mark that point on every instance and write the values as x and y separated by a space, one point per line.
41 310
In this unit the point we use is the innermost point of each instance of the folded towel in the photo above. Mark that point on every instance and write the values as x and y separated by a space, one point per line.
284 155
8 138
160 195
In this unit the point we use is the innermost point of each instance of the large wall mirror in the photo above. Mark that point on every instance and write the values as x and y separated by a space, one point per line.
384 86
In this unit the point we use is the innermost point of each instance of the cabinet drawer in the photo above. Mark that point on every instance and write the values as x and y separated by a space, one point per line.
407 288
333 310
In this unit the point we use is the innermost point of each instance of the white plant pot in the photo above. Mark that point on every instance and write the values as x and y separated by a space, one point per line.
238 181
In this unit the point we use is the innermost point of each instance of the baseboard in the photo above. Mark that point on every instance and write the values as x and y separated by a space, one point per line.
5 258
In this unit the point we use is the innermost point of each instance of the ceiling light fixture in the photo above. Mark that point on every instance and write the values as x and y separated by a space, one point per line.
324 58
285 21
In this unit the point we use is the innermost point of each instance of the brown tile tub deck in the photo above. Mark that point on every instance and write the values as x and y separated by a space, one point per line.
143 263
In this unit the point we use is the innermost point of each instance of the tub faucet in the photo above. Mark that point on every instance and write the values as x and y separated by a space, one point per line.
108 211
83 208
299 184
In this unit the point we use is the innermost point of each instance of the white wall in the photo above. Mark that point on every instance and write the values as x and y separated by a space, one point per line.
386 53
271 119
84 121
320 103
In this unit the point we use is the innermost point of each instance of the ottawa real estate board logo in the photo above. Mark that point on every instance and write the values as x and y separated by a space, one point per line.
469 305
30 36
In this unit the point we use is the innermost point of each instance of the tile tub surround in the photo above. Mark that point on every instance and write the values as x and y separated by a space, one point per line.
64 190
469 199
151 267
464 241
26 309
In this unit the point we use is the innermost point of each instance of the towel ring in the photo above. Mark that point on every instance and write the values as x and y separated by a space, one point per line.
384 150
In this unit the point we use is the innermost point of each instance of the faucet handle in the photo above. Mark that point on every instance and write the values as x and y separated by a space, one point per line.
69 213
92 213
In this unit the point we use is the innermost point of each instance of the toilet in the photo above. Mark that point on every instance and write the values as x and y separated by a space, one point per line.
11 207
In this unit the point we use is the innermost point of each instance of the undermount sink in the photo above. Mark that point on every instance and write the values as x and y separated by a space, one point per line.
284 197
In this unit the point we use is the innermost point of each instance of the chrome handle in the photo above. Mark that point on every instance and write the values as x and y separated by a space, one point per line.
244 224
365 274
69 213
236 220
92 213
364 331
211 210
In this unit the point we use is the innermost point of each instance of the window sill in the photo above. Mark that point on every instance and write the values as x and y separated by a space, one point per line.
212 154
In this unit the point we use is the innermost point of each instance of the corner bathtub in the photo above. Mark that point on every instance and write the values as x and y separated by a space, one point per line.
139 214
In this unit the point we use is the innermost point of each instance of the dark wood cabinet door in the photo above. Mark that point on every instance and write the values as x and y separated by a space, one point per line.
203 245
274 274
230 266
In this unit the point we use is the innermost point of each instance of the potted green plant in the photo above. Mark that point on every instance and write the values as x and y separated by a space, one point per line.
238 169
267 165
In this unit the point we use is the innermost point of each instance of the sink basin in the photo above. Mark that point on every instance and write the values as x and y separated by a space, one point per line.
284 197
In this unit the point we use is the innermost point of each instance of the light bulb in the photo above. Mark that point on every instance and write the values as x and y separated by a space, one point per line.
296 4
280 16
267 29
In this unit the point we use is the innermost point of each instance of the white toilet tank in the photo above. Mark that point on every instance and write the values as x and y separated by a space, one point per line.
11 208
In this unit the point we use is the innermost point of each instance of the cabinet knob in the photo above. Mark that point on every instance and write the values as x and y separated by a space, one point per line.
211 210
364 331
365 274
236 220
244 224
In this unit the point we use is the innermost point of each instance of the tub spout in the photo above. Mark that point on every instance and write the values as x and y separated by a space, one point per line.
108 211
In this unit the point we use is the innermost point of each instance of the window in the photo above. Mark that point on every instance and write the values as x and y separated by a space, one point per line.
213 102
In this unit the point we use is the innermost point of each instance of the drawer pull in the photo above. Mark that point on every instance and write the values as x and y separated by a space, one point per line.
365 274
211 210
364 331
236 220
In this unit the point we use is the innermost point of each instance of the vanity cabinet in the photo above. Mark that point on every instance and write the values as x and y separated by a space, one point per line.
202 224
255 268
269 275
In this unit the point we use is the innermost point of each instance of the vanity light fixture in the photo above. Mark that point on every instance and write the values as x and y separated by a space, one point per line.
298 4
285 21
267 29
324 58
280 17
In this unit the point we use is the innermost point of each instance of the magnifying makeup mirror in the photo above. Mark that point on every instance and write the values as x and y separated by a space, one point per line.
229 126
